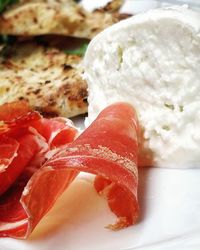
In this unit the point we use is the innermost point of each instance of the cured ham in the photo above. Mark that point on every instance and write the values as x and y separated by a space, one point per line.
108 149
15 116
26 139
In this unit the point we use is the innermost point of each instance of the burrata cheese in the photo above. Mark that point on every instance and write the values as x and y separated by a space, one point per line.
152 60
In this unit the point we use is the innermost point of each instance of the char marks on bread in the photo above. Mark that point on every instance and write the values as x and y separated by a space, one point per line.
45 76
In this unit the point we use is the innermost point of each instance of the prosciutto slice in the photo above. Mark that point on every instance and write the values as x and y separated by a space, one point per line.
108 149
26 141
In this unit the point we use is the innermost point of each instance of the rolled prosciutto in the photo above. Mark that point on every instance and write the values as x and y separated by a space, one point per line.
108 148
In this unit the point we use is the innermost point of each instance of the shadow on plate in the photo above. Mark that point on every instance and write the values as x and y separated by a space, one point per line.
80 203
144 175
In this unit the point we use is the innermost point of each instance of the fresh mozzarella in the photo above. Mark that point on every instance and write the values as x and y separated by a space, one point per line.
152 60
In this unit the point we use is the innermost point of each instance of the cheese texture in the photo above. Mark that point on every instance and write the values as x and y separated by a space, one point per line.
152 61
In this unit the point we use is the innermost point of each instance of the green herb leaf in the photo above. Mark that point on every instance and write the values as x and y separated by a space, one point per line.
6 43
5 3
5 39
78 51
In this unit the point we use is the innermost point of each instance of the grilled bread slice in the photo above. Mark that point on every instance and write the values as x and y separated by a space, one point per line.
48 78
63 17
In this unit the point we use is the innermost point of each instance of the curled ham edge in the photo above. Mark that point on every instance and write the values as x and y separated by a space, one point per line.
108 148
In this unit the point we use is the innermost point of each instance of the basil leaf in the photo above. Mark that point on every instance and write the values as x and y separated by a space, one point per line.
5 3
78 51
5 39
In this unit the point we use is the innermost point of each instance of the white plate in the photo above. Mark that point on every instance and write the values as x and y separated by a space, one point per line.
169 219
170 213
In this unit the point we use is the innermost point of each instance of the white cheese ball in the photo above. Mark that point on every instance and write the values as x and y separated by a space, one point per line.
152 60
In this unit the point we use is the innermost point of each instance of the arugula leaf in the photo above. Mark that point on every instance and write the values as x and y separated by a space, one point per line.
5 44
5 39
78 51
5 3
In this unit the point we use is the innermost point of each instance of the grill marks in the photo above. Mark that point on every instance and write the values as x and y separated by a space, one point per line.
50 80
69 18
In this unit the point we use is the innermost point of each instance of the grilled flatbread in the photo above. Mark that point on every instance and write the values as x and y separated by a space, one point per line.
49 79
64 17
